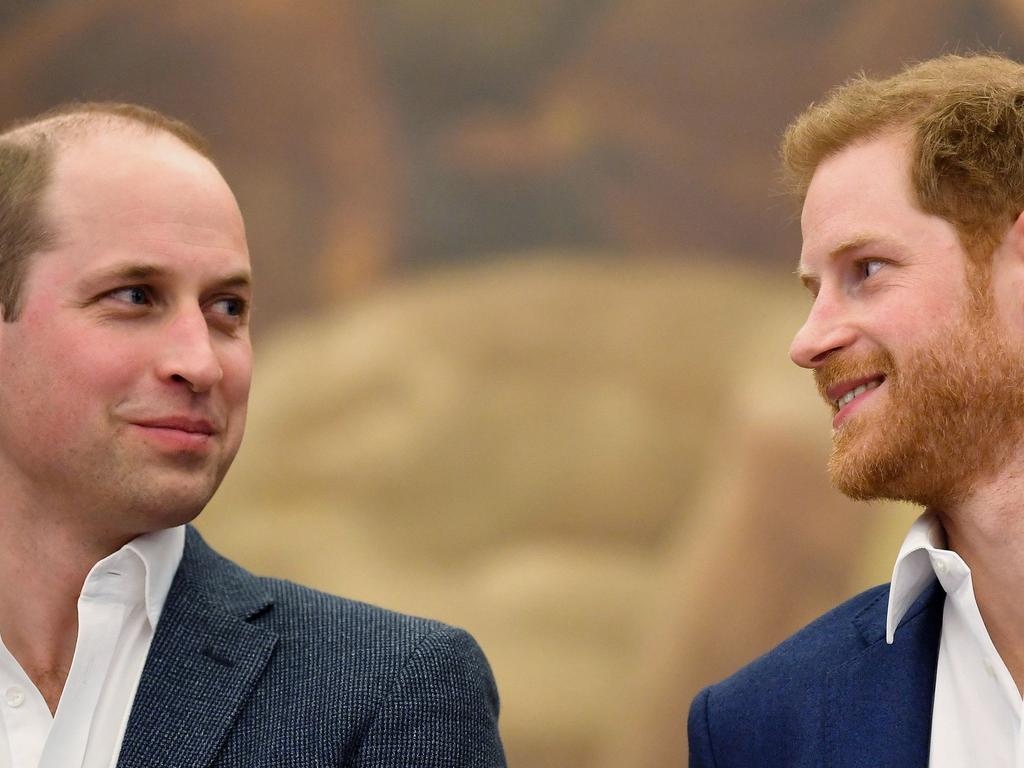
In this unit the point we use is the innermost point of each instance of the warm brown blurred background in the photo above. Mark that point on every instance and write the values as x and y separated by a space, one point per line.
524 299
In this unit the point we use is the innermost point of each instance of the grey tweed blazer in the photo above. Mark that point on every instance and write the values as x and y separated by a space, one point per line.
249 672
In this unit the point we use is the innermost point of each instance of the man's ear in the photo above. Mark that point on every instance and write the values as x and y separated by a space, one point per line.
1011 249
1006 275
1016 230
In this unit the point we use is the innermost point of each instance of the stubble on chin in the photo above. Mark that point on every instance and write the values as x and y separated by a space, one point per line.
151 490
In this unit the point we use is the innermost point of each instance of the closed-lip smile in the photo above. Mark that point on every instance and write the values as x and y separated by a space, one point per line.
188 424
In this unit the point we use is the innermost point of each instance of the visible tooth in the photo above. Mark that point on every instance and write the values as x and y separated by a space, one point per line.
855 392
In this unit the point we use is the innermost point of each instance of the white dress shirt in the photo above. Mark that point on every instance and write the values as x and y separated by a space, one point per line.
118 610
976 719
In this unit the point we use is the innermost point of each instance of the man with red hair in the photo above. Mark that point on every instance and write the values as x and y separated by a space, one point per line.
913 254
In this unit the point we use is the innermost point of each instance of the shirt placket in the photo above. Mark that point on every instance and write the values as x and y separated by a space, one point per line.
99 623
27 719
988 671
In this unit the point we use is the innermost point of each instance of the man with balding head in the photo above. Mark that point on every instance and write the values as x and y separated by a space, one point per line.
913 255
125 363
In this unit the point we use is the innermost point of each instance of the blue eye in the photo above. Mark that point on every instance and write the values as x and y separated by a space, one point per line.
232 306
871 266
133 294
231 309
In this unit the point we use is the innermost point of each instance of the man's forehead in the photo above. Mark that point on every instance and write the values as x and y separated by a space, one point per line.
123 151
144 207
104 180
879 160
856 199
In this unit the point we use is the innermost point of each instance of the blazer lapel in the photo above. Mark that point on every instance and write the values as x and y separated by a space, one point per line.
202 665
879 705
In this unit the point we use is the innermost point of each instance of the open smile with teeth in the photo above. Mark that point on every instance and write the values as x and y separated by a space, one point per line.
850 396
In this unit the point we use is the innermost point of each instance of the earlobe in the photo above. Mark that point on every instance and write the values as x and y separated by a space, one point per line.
1004 277
1009 252
1014 237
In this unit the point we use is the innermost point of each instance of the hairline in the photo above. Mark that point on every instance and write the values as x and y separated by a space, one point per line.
50 134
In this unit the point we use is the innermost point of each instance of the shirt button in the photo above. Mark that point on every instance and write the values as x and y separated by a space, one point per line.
15 696
990 667
940 567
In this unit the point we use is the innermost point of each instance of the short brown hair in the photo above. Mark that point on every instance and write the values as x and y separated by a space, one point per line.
27 152
965 116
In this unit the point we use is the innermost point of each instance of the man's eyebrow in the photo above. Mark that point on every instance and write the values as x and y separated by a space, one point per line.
855 243
241 279
138 271
125 272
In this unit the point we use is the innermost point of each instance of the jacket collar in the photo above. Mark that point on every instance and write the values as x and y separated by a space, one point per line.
206 656
879 703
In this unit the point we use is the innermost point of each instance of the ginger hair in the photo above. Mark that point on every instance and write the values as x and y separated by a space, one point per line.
965 118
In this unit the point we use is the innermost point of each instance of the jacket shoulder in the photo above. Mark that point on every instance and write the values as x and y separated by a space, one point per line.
389 655
774 710
385 688
824 643
297 613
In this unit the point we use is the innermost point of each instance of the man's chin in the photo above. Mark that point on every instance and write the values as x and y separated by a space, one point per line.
168 501
872 472
853 481
863 470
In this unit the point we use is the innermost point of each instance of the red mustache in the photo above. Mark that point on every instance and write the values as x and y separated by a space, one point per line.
838 372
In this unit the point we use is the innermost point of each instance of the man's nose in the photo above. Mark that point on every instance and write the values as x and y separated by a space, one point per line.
826 330
188 354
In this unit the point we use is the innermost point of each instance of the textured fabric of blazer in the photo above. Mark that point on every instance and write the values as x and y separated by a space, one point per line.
249 672
835 694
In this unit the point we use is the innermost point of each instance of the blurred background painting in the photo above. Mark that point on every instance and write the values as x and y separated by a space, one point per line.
524 296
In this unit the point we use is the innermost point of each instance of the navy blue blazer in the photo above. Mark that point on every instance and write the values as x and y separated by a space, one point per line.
834 694
249 672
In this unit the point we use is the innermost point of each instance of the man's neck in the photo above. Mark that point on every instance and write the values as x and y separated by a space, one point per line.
43 569
987 531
